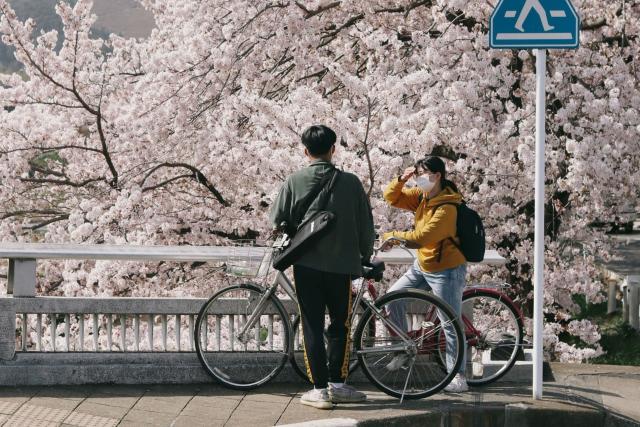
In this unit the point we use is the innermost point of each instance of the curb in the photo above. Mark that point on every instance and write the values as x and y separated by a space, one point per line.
511 415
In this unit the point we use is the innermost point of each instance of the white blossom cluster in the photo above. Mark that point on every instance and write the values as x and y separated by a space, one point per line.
186 136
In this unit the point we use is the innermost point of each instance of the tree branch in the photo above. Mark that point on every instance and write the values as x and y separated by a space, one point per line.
404 9
311 13
196 174
62 182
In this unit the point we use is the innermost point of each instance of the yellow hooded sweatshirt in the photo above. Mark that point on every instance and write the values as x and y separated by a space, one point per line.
431 226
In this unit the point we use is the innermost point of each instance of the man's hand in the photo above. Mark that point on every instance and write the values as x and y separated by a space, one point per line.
407 174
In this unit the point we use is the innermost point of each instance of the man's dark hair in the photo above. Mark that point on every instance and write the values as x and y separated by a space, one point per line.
318 140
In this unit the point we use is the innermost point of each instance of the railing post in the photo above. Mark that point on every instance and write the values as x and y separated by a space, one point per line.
7 329
633 287
21 278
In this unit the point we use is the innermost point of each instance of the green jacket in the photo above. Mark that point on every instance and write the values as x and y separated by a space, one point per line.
351 237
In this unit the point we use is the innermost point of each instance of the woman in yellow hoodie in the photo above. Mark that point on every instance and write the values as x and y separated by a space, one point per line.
441 266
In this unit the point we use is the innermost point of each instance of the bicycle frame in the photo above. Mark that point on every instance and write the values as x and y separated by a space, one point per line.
280 281
407 341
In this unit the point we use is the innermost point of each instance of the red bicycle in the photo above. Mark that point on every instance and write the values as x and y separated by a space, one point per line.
492 323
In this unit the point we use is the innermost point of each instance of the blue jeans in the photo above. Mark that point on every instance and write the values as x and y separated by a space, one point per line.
448 285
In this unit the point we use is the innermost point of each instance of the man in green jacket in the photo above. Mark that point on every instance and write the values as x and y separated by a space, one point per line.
324 272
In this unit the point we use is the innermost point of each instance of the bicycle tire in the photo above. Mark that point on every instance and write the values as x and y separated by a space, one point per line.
438 383
297 360
515 330
272 362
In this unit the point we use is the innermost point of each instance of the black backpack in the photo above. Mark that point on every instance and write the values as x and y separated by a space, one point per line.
469 230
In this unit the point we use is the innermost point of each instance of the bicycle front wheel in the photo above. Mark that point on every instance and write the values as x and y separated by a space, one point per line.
240 355
402 357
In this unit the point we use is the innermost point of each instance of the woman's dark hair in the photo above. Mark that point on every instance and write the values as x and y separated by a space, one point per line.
318 140
435 164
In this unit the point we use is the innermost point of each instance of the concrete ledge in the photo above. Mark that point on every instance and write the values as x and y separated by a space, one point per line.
36 368
47 368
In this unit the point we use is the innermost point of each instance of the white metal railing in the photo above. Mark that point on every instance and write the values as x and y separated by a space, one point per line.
59 324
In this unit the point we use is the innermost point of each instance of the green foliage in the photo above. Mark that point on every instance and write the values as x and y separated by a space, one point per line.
50 156
620 341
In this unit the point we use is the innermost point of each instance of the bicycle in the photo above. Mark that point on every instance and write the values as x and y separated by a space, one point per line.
257 320
494 331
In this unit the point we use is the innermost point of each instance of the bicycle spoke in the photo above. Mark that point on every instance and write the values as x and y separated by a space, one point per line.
251 346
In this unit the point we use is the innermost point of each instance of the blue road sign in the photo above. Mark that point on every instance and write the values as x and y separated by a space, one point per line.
534 24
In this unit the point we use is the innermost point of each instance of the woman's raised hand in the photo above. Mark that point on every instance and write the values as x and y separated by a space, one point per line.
408 173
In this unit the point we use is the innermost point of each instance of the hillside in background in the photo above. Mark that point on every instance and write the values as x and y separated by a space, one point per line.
124 17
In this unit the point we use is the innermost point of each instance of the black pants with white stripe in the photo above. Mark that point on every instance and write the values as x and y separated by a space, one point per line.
318 291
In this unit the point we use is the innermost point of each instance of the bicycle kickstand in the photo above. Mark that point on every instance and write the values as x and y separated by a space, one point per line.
404 390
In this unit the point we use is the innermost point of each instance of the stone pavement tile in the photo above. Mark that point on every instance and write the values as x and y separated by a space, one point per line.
3 418
165 406
137 417
42 413
177 399
264 413
112 400
15 421
215 409
76 392
133 424
86 420
15 399
172 390
254 413
219 391
277 393
107 411
54 402
297 413
184 421
8 407
214 401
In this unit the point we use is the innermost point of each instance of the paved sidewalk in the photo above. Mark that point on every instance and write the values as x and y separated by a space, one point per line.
580 395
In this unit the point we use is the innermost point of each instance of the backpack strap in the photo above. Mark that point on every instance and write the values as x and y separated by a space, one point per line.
433 210
328 180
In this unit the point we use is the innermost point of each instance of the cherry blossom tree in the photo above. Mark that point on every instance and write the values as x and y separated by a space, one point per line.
186 136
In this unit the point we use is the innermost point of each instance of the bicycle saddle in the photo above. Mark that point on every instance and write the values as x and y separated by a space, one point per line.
373 270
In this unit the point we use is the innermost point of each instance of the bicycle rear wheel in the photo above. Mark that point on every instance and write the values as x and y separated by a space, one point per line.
408 368
494 332
236 360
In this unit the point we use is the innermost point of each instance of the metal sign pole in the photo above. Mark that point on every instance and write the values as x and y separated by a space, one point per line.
538 245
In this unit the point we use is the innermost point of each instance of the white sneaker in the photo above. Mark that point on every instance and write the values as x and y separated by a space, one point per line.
346 394
398 362
318 398
457 385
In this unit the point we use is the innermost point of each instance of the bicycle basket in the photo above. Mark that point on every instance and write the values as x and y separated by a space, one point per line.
247 259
